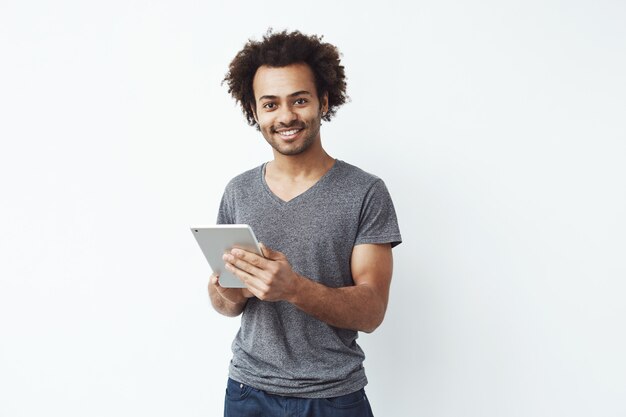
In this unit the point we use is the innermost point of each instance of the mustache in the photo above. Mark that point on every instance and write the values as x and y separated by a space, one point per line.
294 125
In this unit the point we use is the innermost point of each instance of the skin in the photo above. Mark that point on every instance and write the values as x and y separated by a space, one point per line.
286 99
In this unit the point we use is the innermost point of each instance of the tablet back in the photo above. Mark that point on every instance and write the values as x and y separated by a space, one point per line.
217 240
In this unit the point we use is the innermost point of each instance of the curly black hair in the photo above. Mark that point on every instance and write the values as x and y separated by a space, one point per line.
282 49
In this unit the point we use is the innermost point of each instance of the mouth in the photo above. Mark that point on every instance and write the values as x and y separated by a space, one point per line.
288 134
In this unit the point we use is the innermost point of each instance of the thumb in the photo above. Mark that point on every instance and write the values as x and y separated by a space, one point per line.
270 253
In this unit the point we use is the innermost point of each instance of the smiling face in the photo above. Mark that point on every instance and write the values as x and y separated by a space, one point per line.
288 110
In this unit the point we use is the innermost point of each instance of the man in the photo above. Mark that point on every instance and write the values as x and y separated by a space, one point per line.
327 229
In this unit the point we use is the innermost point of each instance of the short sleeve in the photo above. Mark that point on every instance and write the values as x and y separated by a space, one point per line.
378 222
225 213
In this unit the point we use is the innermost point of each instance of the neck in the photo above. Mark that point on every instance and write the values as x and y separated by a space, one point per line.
314 162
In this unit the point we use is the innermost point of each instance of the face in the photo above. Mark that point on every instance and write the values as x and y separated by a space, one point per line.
288 111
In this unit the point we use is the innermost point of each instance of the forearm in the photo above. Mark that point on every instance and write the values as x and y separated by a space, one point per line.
228 307
356 307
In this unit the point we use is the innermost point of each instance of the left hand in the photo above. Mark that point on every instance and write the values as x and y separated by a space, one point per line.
269 278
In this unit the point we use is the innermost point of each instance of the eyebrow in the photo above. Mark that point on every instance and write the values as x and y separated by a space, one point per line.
297 93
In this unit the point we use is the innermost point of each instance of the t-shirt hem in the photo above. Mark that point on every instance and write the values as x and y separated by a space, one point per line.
345 387
395 240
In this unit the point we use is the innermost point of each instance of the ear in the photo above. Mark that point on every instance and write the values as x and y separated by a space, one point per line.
253 108
324 103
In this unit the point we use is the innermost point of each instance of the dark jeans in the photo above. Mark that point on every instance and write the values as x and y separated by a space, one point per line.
245 401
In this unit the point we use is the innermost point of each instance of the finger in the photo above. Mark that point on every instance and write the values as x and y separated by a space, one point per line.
251 258
214 279
271 253
265 251
241 265
254 284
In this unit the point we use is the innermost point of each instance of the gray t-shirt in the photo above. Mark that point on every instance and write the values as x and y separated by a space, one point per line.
279 348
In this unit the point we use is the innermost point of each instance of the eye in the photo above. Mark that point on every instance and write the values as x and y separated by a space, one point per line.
269 106
301 101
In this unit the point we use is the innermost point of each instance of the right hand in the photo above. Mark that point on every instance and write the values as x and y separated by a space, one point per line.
232 295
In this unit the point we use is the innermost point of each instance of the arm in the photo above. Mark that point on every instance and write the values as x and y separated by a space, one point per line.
358 307
227 301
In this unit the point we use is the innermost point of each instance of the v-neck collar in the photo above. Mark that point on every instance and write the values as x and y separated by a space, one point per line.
302 195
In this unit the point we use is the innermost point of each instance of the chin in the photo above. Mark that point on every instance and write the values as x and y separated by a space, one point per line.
291 151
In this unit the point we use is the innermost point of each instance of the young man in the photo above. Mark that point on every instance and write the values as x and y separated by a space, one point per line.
327 229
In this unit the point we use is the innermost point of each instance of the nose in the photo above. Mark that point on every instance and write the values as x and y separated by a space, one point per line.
286 115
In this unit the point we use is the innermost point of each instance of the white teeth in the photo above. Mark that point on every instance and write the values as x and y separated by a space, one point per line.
289 132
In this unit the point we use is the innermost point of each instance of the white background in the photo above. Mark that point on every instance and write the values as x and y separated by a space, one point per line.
498 127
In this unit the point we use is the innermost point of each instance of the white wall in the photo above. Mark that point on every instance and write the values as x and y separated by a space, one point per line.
498 127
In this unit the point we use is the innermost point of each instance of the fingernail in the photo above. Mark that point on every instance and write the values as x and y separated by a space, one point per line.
235 252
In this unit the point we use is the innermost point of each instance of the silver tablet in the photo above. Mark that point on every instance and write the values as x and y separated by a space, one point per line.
217 240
